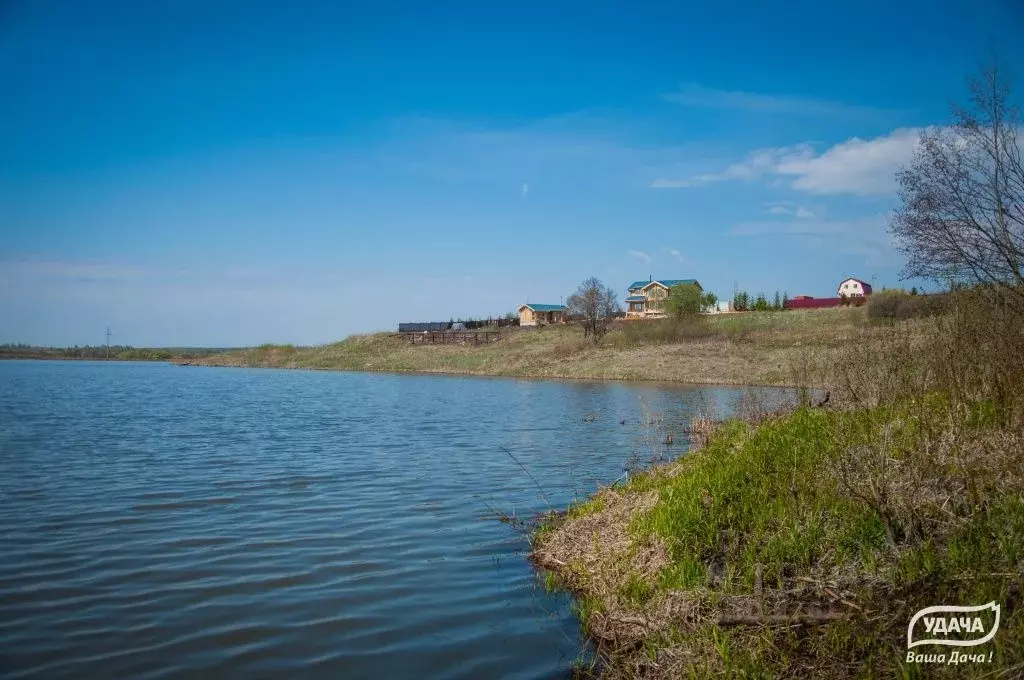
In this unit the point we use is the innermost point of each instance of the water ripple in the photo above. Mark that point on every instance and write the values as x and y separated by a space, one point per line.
167 523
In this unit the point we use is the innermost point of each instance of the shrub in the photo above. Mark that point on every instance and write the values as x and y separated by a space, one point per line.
883 305
899 305
972 351
665 331
684 299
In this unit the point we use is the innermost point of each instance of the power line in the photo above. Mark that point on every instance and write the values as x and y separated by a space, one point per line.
108 344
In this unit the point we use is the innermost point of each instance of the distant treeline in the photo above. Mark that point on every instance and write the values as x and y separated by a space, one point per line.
119 352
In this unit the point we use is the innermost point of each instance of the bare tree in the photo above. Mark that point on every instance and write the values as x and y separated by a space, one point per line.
594 305
962 212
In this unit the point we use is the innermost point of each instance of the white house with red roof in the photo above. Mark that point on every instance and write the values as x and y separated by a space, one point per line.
852 287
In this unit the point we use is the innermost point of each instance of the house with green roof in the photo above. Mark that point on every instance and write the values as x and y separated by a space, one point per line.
532 314
646 298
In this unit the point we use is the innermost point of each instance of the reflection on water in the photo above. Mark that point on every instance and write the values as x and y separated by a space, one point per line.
162 521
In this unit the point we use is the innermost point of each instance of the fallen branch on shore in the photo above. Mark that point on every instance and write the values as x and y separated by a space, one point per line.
780 619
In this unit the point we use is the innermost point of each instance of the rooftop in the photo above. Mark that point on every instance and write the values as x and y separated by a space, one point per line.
544 308
668 283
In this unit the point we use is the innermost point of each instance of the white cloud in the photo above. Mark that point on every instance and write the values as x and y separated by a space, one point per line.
525 189
856 166
673 183
779 210
761 162
676 255
804 213
640 255
756 165
695 94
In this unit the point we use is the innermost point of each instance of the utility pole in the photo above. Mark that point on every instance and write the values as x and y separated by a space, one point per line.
108 343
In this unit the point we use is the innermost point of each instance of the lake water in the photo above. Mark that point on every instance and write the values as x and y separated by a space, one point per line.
163 522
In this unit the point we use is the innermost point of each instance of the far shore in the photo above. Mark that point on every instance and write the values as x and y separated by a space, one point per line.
769 349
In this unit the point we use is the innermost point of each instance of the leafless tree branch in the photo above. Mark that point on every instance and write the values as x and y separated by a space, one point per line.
962 212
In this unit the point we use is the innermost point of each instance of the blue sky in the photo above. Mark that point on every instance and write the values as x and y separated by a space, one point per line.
217 173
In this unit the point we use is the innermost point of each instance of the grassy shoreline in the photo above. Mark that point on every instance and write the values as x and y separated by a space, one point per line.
749 557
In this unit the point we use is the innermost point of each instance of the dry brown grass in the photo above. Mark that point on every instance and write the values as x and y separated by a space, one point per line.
593 553
742 349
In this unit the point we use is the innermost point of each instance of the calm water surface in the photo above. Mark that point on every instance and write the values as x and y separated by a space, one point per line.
165 522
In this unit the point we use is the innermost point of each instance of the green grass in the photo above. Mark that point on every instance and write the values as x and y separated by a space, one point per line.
769 496
762 487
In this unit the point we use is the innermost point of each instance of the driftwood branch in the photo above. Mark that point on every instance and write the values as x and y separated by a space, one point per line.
634 620
777 619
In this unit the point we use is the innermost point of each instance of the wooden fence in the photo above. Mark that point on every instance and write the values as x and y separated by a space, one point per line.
453 338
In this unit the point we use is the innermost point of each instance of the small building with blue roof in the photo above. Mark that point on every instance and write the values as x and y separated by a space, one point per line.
532 314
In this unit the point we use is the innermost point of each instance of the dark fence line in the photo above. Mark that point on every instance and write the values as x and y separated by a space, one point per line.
441 326
485 323
454 338
424 327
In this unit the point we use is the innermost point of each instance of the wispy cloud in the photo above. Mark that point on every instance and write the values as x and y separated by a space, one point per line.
756 165
584 149
863 167
695 94
676 255
799 227
674 183
865 237
641 255
78 270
